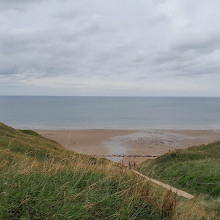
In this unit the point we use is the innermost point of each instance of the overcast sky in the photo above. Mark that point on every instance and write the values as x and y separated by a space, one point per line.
110 47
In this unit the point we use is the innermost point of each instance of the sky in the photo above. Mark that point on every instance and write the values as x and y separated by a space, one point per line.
110 47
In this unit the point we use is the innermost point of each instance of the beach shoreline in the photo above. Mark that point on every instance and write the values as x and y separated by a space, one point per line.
129 145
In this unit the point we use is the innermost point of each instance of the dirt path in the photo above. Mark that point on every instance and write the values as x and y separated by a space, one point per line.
172 189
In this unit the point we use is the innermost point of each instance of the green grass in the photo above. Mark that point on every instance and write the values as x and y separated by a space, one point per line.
69 195
40 179
188 167
30 132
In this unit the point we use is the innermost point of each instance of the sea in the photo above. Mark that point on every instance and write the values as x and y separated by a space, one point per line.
75 112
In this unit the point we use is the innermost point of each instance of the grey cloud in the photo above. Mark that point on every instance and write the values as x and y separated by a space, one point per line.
47 51
184 66
68 15
86 44
17 4
190 58
200 45
161 18
159 1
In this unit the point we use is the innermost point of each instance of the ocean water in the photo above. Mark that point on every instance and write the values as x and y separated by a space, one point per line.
109 112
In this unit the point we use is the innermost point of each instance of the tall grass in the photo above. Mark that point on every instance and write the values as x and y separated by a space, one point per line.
187 168
39 179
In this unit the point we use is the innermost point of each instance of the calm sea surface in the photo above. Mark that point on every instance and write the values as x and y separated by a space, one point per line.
110 112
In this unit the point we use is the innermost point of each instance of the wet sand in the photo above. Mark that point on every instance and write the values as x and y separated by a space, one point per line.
159 142
84 141
129 145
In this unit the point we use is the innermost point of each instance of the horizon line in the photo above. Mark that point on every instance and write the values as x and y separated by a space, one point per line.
115 96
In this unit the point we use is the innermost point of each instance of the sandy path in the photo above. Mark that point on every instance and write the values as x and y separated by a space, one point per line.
168 187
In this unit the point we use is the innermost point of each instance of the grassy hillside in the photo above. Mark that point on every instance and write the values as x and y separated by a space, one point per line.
39 179
187 168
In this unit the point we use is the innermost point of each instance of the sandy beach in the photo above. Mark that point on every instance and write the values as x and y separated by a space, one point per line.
84 141
134 145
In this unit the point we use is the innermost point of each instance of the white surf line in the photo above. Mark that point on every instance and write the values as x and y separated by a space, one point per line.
217 131
172 189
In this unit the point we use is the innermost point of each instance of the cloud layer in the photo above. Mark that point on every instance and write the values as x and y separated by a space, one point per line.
117 47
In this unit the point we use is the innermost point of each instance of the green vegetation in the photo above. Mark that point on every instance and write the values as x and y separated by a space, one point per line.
187 168
68 194
39 179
